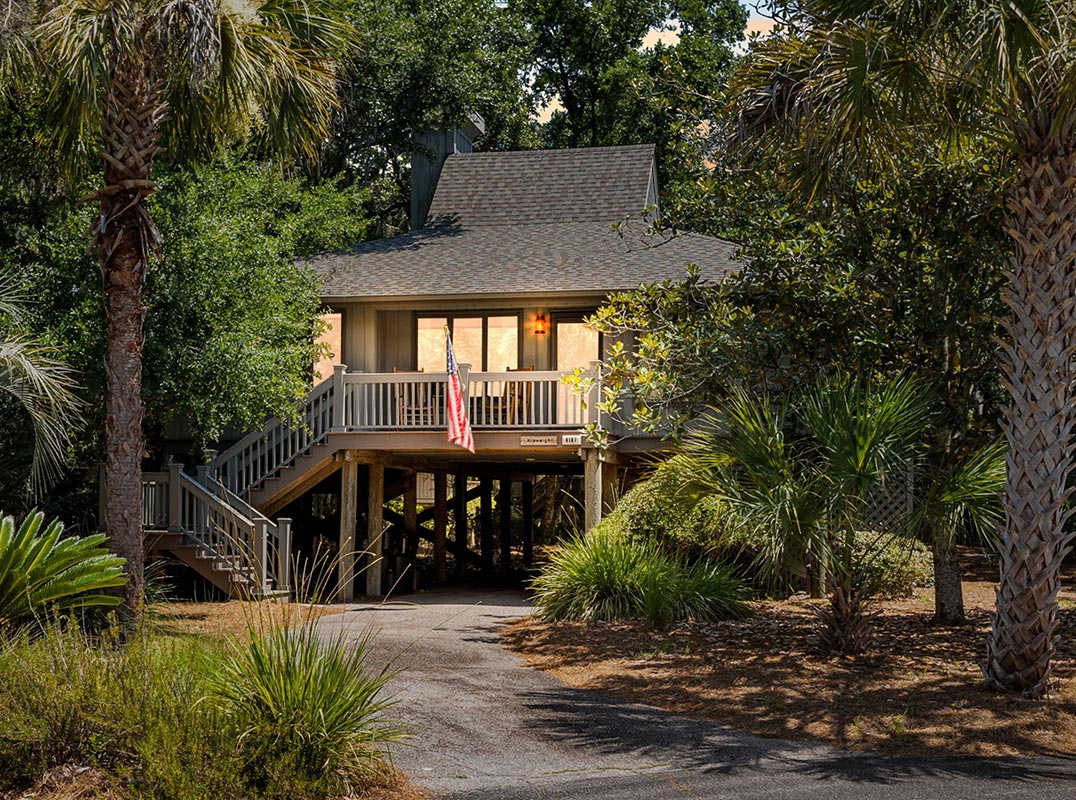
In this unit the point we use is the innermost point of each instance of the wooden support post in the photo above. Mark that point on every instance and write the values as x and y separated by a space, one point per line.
260 559
592 489
349 520
375 523
411 523
610 474
283 555
440 525
504 506
528 523
175 522
485 528
338 419
459 512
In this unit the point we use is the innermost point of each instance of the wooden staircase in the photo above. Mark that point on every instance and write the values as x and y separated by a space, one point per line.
200 522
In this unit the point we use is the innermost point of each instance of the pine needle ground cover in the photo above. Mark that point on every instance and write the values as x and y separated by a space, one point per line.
918 691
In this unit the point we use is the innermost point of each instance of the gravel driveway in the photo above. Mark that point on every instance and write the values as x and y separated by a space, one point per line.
486 727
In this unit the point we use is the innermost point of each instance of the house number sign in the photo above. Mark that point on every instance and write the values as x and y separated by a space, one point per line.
538 441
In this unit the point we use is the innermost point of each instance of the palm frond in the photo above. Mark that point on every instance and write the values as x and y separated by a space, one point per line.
866 434
44 388
970 492
42 570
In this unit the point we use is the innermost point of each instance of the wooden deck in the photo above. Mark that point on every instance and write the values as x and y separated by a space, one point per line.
525 423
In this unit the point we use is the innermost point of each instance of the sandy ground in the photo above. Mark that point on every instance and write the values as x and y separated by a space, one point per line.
917 692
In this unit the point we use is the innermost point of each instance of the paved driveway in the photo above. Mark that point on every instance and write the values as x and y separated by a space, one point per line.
485 727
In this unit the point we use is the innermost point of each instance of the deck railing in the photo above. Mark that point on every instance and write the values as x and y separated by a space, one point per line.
279 441
357 402
495 400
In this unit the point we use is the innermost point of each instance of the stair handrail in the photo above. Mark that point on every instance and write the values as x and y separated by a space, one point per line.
230 545
275 554
280 441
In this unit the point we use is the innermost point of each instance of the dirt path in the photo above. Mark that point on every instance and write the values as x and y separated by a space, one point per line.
487 727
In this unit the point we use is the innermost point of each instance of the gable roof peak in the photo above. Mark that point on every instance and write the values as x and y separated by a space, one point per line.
598 184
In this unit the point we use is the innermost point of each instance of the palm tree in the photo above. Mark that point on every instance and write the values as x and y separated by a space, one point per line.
802 482
128 78
965 496
843 83
42 386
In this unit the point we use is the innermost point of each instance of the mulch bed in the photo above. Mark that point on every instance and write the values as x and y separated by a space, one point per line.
232 617
918 691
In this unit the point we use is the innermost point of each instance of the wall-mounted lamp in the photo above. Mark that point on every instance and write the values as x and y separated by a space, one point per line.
539 324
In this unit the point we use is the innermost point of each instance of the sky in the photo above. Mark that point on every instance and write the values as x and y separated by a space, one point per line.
758 21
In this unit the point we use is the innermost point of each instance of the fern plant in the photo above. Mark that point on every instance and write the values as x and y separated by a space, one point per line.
41 569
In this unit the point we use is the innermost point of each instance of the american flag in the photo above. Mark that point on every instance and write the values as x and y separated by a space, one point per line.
459 427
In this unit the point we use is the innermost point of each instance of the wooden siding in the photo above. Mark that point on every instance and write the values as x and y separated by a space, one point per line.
378 337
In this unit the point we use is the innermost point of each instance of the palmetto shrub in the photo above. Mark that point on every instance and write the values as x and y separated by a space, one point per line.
604 575
306 709
41 570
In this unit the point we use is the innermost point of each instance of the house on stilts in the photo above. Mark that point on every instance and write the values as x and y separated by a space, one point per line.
510 251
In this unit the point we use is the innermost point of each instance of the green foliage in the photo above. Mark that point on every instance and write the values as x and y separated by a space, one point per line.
901 275
424 64
306 709
649 510
611 89
231 318
135 711
965 497
42 571
604 575
800 479
893 566
164 717
35 387
263 73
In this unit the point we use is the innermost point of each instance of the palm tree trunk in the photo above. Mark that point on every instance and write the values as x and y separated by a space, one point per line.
124 238
948 590
846 626
1038 422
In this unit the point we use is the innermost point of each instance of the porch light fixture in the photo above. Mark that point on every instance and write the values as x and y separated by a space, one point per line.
539 324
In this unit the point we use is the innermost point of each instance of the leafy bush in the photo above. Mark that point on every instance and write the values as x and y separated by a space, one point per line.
894 566
650 511
305 708
604 575
40 570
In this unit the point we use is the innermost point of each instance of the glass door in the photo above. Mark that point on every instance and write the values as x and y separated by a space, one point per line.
576 346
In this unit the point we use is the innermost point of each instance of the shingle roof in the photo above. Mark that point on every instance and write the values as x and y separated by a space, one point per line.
498 259
602 184
528 222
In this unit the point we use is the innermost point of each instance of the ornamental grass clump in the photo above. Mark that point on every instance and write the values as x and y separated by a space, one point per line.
306 709
604 576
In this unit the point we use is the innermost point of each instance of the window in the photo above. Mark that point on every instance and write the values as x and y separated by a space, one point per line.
330 337
487 343
577 345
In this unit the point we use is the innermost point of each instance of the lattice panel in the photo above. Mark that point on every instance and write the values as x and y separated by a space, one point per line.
890 505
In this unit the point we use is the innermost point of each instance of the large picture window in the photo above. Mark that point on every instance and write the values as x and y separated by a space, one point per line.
489 343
